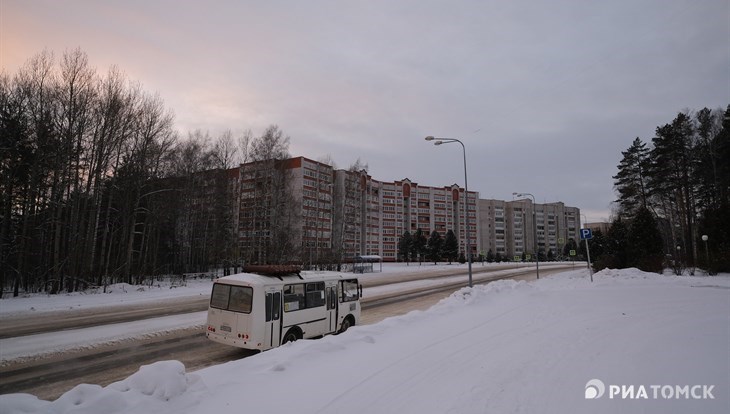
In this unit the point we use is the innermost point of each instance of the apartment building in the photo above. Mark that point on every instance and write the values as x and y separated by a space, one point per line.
388 209
339 214
510 228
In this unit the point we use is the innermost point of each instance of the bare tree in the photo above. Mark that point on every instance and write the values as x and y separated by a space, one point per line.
224 151
268 208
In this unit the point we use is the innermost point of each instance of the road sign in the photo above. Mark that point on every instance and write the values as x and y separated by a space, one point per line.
561 240
528 257
517 258
586 234
572 252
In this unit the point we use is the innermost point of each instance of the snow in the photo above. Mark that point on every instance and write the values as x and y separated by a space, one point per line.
121 295
28 346
506 347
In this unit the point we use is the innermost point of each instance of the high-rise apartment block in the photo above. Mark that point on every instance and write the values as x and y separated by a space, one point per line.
338 214
510 227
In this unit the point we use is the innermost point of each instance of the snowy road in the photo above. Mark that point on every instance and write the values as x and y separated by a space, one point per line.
126 346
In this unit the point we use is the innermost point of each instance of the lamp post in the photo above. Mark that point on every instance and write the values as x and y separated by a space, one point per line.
534 227
707 252
439 141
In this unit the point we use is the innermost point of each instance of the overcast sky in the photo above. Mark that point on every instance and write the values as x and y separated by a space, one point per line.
544 94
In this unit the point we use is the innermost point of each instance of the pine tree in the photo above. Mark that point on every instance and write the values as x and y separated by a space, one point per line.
451 246
644 243
671 179
435 246
597 244
404 246
418 245
715 221
630 181
615 255
722 143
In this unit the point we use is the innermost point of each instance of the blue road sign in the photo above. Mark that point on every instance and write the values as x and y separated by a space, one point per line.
586 234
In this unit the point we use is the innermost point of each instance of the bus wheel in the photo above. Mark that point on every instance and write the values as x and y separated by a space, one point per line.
290 336
345 325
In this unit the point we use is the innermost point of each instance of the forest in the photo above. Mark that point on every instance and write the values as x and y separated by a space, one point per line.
97 187
673 206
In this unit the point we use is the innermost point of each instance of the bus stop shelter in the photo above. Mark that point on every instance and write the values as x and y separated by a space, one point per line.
364 263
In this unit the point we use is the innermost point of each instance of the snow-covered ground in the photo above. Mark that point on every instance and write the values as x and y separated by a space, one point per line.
120 295
124 295
506 347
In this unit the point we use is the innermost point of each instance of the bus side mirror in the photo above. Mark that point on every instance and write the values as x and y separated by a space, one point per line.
359 287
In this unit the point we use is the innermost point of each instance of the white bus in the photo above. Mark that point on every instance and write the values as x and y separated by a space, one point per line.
280 304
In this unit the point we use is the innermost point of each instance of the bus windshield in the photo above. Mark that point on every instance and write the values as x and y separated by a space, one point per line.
349 290
232 298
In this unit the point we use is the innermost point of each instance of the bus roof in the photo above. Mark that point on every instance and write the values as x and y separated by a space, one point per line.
308 276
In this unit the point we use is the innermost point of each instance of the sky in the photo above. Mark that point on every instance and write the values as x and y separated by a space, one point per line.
508 347
544 95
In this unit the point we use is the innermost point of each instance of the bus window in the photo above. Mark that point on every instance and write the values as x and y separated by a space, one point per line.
233 298
332 300
276 306
294 297
349 290
315 294
219 297
241 297
273 304
269 302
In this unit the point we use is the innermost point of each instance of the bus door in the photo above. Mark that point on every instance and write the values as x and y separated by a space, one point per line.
331 298
272 336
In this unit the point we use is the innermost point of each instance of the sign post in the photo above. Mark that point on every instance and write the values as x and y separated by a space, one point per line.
586 234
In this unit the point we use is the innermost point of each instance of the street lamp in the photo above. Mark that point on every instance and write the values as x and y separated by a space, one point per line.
534 227
707 252
440 141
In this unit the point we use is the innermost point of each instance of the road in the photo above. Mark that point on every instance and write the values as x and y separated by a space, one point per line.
50 377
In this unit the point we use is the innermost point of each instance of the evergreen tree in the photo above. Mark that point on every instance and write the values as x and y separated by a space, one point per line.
715 221
597 244
644 243
435 246
630 181
404 246
671 179
570 245
706 164
451 246
722 144
490 256
614 256
716 225
418 245
498 257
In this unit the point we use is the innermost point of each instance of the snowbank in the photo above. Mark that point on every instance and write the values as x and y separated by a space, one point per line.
504 347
